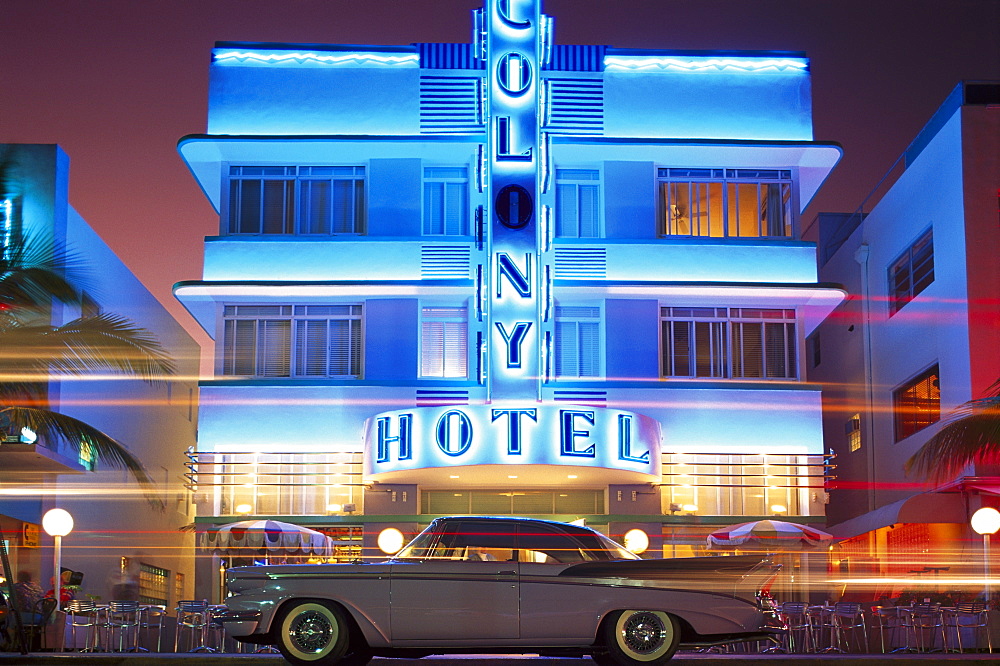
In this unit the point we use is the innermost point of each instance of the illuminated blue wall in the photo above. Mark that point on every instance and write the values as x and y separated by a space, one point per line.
308 95
709 102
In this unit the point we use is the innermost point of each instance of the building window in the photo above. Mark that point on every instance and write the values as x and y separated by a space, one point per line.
813 350
577 341
853 430
578 203
444 342
446 201
178 587
304 200
911 273
726 203
917 404
292 341
511 502
153 584
737 343
87 457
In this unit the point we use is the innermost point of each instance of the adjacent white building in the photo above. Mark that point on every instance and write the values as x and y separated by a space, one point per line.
917 338
508 277
156 422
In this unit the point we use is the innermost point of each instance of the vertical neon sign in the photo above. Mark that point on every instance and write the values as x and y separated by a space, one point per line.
513 72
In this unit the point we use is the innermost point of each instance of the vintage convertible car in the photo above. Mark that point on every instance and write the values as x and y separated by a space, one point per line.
502 585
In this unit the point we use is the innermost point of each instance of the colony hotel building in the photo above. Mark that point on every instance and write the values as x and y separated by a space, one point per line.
508 277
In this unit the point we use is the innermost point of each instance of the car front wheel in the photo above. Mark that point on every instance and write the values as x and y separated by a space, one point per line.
312 632
634 637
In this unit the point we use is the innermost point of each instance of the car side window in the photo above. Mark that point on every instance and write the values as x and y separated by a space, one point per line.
475 542
545 545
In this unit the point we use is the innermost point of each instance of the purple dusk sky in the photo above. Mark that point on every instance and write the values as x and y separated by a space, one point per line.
117 82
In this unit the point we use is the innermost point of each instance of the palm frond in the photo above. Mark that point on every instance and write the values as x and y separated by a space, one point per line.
970 435
103 342
35 270
53 426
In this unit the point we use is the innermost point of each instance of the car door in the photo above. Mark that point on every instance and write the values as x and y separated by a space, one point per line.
465 589
554 606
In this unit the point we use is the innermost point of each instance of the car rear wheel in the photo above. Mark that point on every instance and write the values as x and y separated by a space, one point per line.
313 633
634 637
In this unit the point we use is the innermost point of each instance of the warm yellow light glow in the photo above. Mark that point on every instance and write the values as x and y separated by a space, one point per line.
690 508
571 476
778 508
243 508
986 520
390 540
334 508
637 541
57 522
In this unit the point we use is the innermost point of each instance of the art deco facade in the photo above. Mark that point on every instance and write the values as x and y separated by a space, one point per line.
508 277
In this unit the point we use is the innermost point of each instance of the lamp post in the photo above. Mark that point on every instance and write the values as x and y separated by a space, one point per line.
986 521
57 523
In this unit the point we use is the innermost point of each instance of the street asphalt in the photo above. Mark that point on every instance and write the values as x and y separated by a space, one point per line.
166 659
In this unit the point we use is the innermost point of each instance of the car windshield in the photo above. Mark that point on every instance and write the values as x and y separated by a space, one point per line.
536 542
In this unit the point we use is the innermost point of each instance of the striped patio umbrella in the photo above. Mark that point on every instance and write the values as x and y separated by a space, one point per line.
273 537
769 535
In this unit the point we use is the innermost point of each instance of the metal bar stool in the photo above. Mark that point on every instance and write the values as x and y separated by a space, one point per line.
973 619
926 623
822 628
192 616
798 636
848 618
84 616
889 621
151 617
123 619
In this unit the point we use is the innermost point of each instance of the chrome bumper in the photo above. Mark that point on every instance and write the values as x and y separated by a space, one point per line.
238 623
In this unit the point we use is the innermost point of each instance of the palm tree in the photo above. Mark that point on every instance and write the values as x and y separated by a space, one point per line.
969 435
35 273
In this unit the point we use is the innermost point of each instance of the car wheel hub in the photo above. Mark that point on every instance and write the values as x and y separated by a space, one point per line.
311 632
643 633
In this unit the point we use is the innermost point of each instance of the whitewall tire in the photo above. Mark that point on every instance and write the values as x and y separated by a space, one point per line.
640 637
312 632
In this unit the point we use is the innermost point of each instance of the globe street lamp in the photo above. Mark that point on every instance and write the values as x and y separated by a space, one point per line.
986 521
57 523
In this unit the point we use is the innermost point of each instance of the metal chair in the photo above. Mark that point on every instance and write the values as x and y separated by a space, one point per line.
973 619
41 616
925 623
192 616
123 618
889 621
848 619
151 617
84 616
798 636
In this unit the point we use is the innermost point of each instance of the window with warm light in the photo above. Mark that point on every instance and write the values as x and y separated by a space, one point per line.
726 203
853 429
917 404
